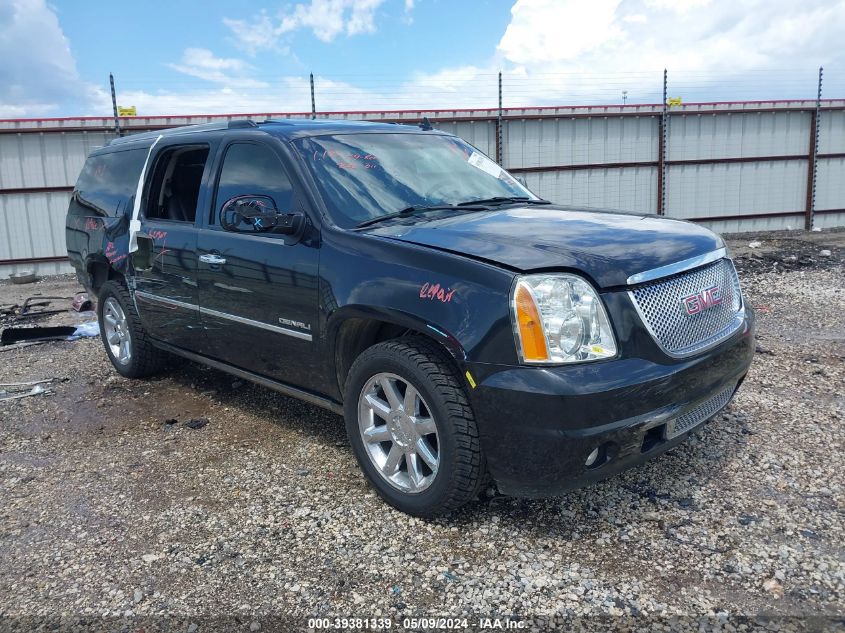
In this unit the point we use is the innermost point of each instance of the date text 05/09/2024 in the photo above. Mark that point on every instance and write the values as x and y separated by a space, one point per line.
415 624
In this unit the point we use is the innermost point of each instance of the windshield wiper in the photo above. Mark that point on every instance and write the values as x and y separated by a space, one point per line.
504 200
417 209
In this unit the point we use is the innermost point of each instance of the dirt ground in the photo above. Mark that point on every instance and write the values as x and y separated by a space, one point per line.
193 501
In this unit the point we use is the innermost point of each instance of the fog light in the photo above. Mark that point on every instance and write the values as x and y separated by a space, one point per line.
592 457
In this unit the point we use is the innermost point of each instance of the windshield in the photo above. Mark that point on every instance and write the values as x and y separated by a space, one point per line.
365 176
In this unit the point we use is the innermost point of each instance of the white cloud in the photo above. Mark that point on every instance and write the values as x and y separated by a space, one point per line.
37 71
569 48
202 63
636 18
362 16
608 35
543 31
407 17
287 94
678 6
325 18
259 34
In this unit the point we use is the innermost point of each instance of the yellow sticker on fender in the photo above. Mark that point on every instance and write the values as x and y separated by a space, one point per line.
470 379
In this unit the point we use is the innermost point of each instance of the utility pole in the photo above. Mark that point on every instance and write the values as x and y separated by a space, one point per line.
499 151
813 157
661 150
114 107
313 106
624 97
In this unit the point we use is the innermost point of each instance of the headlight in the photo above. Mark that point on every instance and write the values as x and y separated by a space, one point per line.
559 318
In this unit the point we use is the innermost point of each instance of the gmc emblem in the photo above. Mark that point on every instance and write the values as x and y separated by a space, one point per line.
703 300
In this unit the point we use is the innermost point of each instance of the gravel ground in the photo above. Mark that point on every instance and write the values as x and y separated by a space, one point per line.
226 506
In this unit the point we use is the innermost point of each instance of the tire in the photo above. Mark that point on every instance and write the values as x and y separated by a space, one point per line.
142 359
442 419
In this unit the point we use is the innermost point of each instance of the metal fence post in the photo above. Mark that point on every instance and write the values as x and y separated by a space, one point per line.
661 150
313 106
114 106
499 149
813 158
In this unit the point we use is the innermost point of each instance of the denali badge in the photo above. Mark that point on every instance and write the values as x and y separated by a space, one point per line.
292 323
704 300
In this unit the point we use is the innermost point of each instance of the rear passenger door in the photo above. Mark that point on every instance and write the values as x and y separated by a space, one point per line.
258 291
165 263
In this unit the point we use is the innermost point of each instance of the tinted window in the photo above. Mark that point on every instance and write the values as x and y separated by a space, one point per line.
108 182
364 176
253 169
175 187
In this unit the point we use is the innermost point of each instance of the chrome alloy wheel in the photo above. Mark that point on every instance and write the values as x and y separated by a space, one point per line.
116 329
399 433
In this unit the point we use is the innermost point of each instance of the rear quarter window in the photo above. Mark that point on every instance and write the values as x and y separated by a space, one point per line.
107 183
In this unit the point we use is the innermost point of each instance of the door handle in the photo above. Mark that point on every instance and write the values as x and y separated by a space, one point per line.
214 260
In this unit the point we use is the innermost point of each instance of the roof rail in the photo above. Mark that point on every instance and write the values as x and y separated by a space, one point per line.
241 123
303 121
185 129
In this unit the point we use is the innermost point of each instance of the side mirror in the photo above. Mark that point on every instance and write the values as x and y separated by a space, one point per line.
258 214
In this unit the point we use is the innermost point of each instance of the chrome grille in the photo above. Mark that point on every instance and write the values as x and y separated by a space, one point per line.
678 333
699 414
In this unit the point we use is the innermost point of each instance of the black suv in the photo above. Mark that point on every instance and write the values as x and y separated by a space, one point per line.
465 328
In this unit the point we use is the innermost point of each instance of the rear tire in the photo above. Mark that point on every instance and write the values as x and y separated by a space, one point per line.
127 344
421 453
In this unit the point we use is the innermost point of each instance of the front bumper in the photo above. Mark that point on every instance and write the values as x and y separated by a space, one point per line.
539 425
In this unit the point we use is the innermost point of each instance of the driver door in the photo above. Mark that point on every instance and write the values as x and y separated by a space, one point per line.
258 290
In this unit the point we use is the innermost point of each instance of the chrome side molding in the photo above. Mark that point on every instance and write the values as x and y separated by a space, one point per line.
259 324
140 294
146 296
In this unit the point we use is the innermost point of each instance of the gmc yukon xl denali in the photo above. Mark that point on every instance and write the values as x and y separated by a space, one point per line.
468 331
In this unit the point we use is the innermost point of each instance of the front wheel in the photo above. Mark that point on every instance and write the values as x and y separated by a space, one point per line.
412 429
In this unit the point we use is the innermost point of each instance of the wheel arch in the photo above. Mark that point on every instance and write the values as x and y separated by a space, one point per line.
99 270
353 329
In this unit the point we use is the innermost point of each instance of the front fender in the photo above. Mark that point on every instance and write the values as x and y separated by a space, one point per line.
457 301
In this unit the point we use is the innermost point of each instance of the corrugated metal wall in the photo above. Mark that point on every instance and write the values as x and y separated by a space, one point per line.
734 166
830 178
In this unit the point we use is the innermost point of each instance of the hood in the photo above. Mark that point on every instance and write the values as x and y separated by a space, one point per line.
606 246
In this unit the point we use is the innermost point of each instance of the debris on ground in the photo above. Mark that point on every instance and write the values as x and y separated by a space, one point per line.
29 383
790 251
196 423
86 330
39 306
23 277
37 390
81 302
11 335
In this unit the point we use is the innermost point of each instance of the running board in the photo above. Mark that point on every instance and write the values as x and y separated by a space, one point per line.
258 379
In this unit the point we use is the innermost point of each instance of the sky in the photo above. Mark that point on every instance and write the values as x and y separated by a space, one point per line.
255 56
